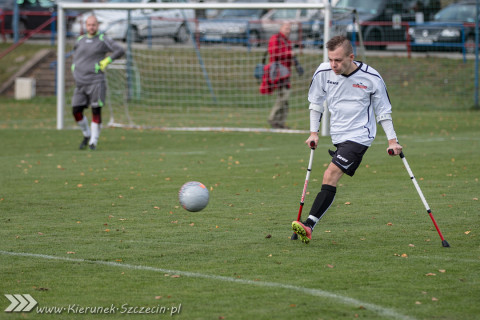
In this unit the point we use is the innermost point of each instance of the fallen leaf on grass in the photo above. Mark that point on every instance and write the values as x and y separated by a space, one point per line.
330 266
430 274
434 299
40 288
70 252
467 232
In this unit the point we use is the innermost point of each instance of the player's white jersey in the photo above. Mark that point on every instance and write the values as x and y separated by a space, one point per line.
353 102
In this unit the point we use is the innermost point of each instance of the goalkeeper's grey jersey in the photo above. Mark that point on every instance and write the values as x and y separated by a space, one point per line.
353 102
89 51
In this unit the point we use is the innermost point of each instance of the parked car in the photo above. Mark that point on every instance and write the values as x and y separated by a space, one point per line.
143 22
234 26
307 24
32 14
173 23
452 27
381 21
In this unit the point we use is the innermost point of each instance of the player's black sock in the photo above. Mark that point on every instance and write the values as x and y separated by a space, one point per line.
322 202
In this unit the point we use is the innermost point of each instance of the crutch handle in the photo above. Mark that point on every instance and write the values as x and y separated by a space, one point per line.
391 152
312 145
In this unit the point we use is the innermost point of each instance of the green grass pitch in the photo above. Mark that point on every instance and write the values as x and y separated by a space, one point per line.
85 232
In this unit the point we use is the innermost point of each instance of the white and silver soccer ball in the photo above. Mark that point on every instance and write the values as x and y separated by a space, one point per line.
193 196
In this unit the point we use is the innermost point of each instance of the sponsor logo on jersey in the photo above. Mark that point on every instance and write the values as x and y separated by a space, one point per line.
332 82
360 85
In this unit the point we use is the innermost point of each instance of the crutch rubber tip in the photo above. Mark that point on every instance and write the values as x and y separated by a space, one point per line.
444 243
294 236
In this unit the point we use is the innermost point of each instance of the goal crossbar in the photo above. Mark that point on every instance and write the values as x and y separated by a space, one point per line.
182 5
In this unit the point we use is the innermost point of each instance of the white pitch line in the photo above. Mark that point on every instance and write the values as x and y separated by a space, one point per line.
390 313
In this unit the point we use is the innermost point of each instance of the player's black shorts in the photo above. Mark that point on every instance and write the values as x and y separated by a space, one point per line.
348 156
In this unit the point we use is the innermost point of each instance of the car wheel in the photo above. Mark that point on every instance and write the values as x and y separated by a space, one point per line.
136 35
22 29
182 35
470 44
374 36
254 39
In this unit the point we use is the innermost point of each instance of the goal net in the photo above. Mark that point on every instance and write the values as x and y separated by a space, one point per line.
192 66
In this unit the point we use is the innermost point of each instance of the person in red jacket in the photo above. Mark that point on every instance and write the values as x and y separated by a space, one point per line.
280 50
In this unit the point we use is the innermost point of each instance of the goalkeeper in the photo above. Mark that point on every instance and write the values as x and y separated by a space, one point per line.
89 64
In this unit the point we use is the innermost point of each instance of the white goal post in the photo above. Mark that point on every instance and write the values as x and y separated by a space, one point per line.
316 55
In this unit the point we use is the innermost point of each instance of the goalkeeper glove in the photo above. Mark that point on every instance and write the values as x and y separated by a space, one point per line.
102 65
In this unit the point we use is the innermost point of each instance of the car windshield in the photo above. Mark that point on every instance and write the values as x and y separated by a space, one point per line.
285 14
240 13
460 13
34 3
362 6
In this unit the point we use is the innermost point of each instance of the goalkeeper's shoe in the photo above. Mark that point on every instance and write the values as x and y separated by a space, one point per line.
304 232
84 143
92 147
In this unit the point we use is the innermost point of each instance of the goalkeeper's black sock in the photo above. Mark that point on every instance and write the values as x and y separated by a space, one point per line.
322 202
